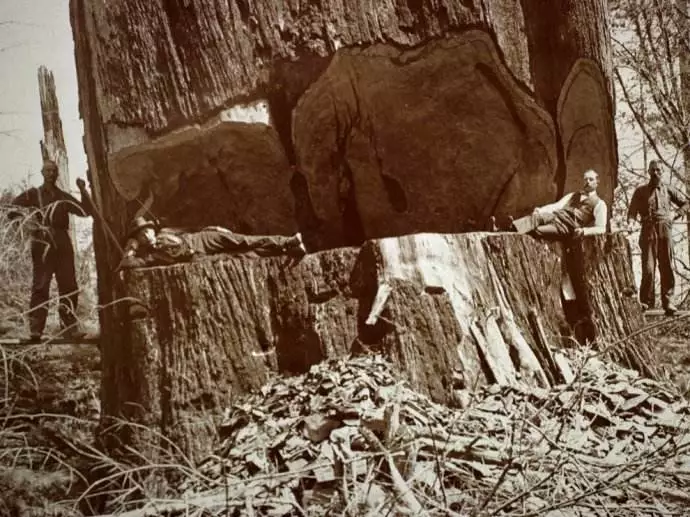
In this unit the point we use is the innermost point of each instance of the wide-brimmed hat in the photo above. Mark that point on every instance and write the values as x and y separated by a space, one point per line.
139 223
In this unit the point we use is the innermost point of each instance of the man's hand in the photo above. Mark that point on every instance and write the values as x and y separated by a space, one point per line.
81 184
128 262
578 233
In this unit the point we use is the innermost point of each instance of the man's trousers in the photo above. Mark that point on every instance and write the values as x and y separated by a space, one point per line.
656 246
215 239
52 254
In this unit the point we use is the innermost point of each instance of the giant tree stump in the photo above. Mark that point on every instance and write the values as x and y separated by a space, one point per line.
453 311
347 120
354 122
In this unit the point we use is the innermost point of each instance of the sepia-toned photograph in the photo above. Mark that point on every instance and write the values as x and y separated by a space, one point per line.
350 258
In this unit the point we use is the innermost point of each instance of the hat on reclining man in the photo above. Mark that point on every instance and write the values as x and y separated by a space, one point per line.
139 223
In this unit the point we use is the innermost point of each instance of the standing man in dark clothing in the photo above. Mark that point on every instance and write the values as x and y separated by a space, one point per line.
652 202
51 250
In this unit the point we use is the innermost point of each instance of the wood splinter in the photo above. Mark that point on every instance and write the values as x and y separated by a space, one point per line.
382 294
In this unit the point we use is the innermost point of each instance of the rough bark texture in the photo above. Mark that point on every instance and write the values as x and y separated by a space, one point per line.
348 120
608 293
326 104
453 311
247 318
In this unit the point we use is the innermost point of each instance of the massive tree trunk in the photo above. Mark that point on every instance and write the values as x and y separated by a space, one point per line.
277 115
454 311
349 121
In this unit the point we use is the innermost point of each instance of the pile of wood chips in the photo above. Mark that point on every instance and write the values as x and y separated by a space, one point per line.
351 438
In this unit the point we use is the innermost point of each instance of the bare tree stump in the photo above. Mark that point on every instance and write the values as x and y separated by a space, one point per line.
460 313
357 123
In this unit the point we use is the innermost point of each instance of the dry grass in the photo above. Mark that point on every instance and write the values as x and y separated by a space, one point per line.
51 465
672 344
16 276
15 271
48 395
49 399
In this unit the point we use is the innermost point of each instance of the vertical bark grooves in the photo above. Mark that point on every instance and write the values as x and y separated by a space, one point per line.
453 311
348 120
559 34
114 349
606 292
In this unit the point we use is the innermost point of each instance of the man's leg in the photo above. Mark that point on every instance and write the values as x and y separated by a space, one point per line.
548 227
549 231
43 261
648 250
67 282
220 240
667 276
525 224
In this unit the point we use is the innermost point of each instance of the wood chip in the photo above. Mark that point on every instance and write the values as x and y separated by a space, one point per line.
318 427
312 428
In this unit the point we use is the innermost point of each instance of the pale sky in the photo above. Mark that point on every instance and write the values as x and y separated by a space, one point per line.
35 33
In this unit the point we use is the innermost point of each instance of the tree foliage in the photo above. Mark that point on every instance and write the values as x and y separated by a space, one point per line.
651 45
651 51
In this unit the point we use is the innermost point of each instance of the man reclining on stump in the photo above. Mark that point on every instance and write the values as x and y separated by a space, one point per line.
148 246
575 215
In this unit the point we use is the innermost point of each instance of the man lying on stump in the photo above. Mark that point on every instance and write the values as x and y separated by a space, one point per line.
149 246
575 215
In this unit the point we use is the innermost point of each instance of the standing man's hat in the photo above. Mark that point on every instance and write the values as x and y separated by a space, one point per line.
137 224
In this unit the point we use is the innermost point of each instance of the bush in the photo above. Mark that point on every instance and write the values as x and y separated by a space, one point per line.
16 273
15 268
25 493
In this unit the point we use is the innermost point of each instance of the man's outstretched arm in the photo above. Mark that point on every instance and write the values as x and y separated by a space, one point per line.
131 248
81 208
129 256
132 261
